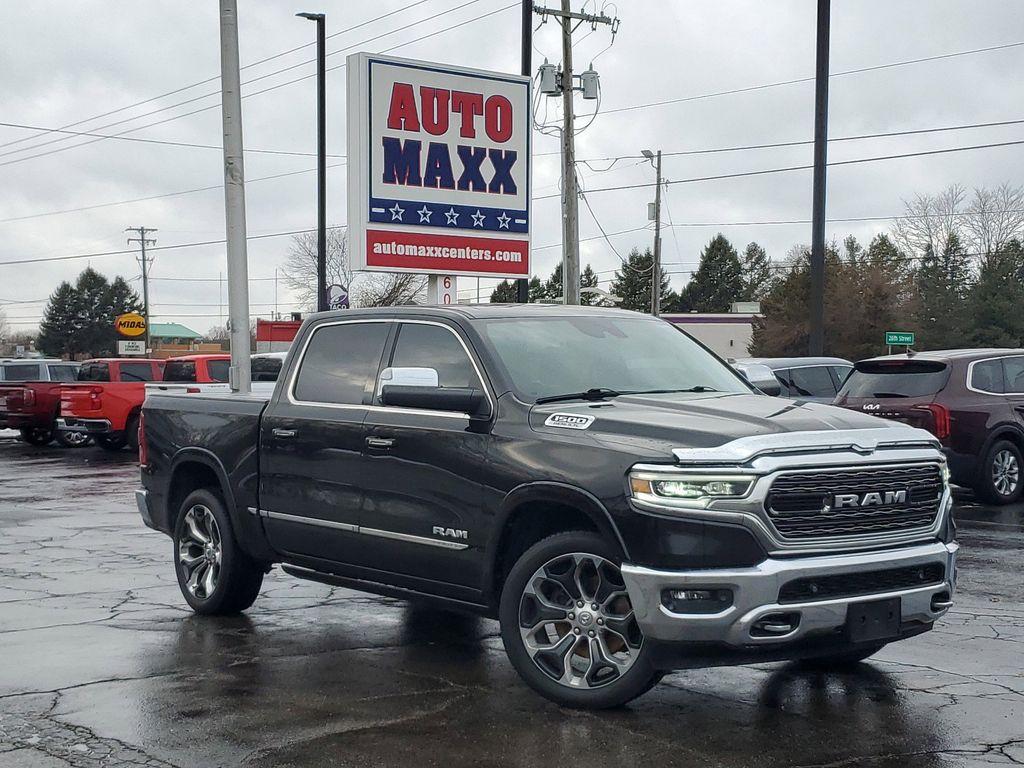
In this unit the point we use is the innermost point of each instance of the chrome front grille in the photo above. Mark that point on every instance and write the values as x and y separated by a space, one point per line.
803 505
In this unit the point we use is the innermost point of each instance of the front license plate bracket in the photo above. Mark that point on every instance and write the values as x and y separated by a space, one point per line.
875 620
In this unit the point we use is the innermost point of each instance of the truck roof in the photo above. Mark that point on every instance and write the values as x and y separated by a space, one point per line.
482 311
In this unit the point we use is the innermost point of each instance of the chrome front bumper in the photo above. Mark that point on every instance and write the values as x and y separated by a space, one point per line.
756 592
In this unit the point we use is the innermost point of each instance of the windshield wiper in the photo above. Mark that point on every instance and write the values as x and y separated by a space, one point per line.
595 393
697 388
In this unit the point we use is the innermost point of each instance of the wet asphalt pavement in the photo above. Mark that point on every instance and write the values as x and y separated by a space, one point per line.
101 664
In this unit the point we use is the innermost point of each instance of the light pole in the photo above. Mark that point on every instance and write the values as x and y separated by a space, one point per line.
655 160
321 158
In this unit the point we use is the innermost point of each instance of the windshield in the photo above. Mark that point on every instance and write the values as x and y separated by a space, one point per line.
896 378
551 356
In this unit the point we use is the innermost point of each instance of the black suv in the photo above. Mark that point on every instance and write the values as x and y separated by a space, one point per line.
617 497
972 400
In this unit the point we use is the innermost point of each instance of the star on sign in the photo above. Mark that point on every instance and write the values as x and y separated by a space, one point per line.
451 216
503 221
396 213
424 214
478 218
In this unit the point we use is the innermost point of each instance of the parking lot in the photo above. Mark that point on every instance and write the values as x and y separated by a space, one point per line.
102 664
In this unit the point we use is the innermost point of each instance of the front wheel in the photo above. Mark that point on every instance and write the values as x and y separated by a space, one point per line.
76 439
214 574
37 435
568 625
1000 481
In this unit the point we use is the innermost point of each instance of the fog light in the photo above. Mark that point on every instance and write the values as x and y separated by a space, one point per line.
696 600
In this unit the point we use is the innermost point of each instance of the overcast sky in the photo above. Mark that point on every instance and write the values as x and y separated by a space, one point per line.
63 62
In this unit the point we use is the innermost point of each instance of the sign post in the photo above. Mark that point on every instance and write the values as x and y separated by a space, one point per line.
439 170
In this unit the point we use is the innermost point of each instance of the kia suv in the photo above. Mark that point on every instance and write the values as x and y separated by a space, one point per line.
971 399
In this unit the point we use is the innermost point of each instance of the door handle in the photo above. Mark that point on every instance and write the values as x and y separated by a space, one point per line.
379 443
283 434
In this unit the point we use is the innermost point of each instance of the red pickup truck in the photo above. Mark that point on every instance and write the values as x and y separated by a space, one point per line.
106 401
30 400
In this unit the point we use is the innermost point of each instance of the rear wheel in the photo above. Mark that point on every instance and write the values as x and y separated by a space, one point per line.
568 625
1000 480
109 443
131 432
37 435
215 576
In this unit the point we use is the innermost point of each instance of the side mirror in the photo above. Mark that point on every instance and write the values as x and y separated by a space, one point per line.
760 376
407 377
433 398
771 388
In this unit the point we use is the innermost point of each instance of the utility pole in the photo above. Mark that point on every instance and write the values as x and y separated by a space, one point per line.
656 266
240 374
816 347
321 159
143 241
526 59
569 21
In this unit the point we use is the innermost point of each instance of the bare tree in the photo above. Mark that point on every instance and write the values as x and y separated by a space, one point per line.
299 270
5 327
994 217
389 289
929 220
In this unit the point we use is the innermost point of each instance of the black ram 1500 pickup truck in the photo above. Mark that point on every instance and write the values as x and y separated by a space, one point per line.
616 496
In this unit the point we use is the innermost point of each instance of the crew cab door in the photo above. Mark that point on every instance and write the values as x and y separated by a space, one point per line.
424 469
311 481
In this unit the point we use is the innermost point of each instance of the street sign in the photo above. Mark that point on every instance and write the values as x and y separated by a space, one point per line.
899 338
438 168
130 324
126 347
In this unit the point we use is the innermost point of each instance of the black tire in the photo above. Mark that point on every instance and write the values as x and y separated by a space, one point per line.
37 435
131 432
516 605
1000 478
110 443
840 661
73 439
235 577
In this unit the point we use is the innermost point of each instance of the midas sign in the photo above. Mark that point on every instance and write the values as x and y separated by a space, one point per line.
439 168
130 324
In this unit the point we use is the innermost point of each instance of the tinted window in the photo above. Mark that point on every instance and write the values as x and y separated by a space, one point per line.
896 378
218 370
341 361
785 383
988 376
430 346
94 372
136 372
265 368
553 355
63 372
179 370
841 373
1013 373
22 372
812 382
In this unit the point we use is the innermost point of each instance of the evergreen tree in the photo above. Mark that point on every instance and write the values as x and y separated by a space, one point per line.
536 290
755 273
504 293
553 285
942 284
79 319
588 279
633 282
60 323
718 281
995 300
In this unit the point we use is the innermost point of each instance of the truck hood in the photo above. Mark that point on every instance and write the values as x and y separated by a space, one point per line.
653 425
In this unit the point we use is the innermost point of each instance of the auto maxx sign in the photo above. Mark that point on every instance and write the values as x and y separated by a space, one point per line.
438 168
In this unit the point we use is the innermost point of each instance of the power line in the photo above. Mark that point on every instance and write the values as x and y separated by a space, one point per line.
810 79
247 82
835 163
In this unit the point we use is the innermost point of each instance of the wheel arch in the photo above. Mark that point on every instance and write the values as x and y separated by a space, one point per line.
193 468
533 511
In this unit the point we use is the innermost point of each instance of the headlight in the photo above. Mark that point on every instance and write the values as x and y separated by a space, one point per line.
696 488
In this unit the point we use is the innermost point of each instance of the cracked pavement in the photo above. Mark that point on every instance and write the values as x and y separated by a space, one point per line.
101 664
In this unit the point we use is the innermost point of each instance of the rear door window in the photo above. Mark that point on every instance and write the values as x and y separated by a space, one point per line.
180 370
266 368
136 371
94 372
1013 374
813 381
896 378
340 363
217 370
63 372
987 376
22 372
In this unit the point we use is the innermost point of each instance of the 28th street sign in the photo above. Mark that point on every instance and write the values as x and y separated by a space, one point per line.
438 168
899 338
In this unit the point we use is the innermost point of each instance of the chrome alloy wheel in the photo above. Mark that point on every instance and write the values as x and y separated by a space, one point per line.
76 439
200 551
576 621
1005 472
